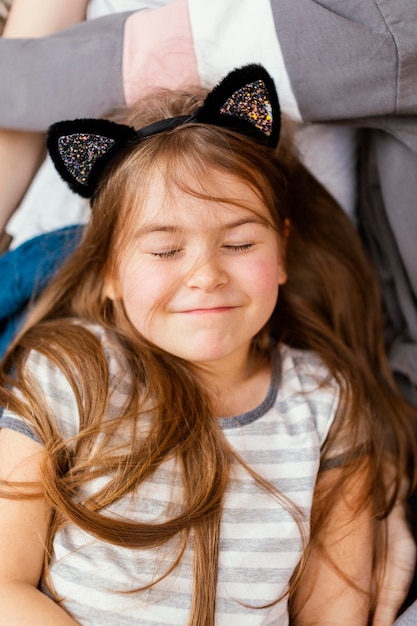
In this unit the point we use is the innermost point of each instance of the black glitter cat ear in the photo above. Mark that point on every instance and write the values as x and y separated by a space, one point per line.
81 149
245 101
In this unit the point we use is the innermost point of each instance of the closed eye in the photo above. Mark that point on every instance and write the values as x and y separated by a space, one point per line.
238 248
166 254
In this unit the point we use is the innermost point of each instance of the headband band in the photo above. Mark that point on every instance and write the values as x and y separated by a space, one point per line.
245 101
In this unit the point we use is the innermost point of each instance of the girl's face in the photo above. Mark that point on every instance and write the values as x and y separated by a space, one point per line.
199 278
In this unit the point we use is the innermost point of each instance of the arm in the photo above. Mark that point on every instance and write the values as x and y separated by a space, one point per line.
23 531
43 17
20 157
21 152
324 596
399 569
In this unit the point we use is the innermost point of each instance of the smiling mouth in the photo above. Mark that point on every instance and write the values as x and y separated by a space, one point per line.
217 309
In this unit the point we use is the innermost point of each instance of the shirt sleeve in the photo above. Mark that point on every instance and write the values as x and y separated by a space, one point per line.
74 73
307 376
348 60
60 399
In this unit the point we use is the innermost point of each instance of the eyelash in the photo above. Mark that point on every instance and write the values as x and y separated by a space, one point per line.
171 253
167 254
239 248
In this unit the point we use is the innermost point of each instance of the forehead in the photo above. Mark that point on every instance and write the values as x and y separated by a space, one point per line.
213 198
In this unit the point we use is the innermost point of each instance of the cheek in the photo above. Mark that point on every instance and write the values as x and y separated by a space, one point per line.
143 290
138 288
139 298
266 276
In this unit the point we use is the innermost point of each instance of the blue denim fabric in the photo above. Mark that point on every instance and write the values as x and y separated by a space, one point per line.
26 270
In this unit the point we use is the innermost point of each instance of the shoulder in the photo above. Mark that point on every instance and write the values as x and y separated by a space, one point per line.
306 389
44 384
304 369
53 383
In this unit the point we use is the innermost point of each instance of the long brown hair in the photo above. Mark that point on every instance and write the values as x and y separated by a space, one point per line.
330 304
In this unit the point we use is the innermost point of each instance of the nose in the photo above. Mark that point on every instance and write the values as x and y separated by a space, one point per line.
207 275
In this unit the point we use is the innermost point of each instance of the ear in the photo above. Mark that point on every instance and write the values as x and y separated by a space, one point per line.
81 149
110 290
246 101
283 276
282 273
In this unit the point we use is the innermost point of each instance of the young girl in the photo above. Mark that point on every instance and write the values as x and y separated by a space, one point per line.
199 421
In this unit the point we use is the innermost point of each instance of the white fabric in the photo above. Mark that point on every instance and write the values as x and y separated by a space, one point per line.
329 151
233 33
97 8
260 541
48 204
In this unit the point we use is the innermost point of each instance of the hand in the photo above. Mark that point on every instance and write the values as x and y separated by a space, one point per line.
399 569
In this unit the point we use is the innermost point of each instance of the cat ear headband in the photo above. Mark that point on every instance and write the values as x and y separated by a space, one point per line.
245 101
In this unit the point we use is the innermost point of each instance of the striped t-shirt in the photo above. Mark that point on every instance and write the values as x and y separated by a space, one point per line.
260 541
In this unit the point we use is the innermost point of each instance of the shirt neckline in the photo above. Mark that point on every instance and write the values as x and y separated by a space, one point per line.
237 421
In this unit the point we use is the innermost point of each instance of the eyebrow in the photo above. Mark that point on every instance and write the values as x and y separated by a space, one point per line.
172 228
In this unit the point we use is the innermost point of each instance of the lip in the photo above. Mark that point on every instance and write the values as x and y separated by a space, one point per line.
207 310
